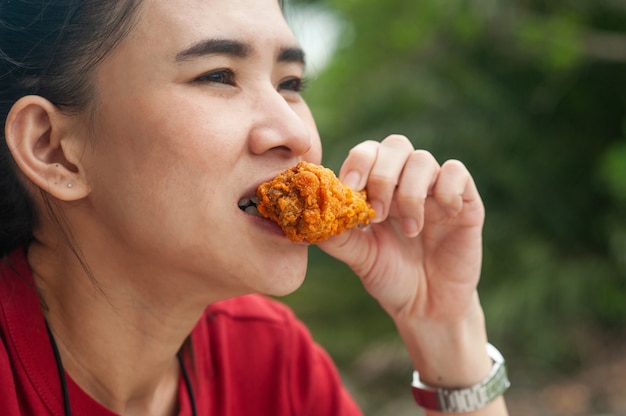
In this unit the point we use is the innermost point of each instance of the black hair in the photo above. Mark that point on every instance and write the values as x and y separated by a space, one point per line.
49 48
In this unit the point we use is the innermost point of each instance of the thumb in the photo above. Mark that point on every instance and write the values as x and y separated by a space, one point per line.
352 247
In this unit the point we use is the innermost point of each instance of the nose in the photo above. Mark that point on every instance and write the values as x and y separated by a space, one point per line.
279 125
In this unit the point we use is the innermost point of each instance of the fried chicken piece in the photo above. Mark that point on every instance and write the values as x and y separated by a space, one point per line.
310 203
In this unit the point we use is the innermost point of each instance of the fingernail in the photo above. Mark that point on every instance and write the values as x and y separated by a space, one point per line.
410 227
378 207
353 180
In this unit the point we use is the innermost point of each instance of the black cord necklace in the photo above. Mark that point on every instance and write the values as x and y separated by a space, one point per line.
66 399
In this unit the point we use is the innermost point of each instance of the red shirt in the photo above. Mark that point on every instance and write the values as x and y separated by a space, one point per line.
251 357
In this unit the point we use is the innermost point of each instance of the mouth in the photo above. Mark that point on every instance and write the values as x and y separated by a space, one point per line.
248 205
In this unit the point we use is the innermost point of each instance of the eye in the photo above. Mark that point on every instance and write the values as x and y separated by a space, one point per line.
295 84
219 76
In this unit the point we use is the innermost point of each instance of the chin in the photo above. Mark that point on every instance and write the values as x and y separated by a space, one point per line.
285 280
284 291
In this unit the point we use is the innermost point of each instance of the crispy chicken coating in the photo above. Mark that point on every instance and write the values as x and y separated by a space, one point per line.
310 203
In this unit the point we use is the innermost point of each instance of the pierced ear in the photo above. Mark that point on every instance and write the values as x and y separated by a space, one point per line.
36 133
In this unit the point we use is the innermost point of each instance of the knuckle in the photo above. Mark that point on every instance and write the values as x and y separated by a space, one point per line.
364 149
454 164
423 156
381 177
410 201
398 141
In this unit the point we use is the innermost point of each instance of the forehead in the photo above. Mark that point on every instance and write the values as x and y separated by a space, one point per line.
173 24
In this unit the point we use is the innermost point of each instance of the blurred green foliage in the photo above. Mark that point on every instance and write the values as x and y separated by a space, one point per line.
531 96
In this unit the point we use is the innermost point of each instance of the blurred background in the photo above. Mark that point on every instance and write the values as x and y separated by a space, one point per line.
531 96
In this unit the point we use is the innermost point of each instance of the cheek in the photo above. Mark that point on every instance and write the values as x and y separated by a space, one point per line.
152 161
314 155
168 133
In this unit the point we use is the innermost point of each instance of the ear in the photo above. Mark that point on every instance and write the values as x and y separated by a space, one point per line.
45 147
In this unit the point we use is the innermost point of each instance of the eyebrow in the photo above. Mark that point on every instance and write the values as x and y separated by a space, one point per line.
235 49
291 55
214 47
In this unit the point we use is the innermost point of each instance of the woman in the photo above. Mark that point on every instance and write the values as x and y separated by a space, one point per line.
132 282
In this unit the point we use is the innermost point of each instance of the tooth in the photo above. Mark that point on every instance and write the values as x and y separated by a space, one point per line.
252 211
255 200
243 202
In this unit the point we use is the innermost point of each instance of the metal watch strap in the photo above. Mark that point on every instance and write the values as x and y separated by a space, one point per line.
464 399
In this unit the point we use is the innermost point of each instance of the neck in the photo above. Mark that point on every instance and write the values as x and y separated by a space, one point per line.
117 341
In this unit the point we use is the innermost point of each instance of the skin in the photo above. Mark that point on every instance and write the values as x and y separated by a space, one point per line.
177 136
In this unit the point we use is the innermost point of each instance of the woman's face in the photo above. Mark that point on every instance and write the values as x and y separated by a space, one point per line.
197 107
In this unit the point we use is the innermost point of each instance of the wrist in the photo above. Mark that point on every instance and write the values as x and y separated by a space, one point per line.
448 353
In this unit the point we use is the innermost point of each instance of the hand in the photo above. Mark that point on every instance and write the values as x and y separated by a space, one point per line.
421 256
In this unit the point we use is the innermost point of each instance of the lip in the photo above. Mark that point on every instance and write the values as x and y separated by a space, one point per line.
251 191
268 225
272 228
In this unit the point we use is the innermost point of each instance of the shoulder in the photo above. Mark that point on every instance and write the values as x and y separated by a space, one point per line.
255 345
8 398
251 321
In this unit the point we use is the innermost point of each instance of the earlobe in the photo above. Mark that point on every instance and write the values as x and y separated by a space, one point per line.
35 132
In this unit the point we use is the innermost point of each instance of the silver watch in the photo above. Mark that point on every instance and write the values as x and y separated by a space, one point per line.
466 399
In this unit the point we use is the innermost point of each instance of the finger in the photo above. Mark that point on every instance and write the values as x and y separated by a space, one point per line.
393 153
454 187
358 164
418 177
350 247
